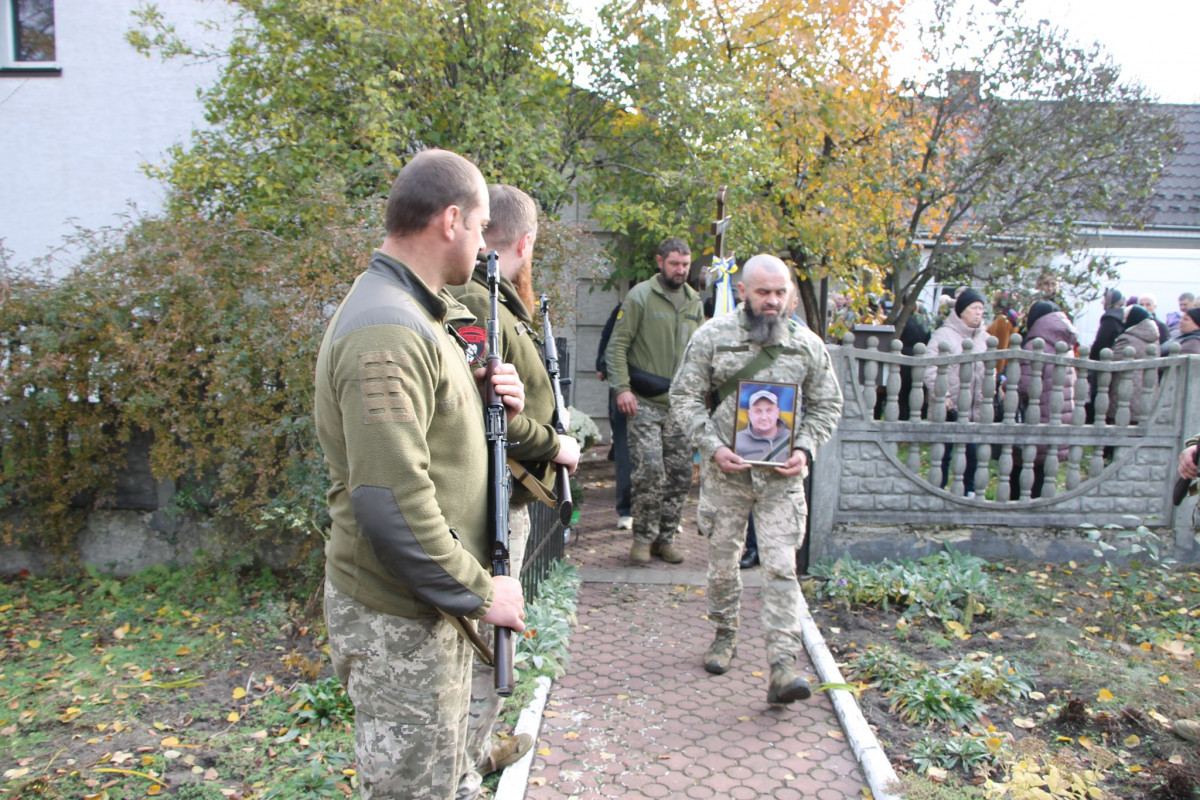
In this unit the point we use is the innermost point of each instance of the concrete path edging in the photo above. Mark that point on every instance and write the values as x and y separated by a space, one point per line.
516 776
875 765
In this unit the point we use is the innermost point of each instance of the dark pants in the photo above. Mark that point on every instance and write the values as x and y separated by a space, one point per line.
620 450
972 462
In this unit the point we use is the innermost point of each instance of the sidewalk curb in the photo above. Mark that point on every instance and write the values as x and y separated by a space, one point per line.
515 779
875 765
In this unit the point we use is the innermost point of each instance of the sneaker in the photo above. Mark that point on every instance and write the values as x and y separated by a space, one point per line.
1187 729
625 523
667 552
506 752
639 553
786 686
721 652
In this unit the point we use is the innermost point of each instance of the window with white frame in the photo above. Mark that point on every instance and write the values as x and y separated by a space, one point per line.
29 33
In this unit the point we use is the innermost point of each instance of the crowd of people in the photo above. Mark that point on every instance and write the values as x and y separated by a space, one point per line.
400 415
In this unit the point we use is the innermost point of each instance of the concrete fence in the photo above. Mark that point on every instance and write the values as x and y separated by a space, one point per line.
880 490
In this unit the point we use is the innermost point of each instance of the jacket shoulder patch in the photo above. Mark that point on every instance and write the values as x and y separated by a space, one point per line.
476 344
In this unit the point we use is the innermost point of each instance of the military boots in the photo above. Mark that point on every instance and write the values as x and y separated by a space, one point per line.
639 553
786 686
721 652
667 552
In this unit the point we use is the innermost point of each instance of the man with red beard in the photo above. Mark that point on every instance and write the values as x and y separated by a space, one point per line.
536 446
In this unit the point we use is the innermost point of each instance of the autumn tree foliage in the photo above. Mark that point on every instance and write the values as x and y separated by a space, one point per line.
1006 152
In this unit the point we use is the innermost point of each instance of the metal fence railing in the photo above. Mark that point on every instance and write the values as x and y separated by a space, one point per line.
546 545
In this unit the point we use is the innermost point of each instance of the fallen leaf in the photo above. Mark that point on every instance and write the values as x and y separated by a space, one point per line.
239 693
1105 696
545 751
1024 722
538 781
570 735
1133 740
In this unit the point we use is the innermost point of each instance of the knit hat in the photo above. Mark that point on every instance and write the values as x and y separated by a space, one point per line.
1194 313
965 299
1038 310
1135 315
1112 298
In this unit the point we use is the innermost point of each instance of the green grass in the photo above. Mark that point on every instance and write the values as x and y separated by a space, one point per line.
208 679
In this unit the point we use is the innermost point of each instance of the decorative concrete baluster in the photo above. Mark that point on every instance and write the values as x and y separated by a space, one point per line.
1033 416
958 464
937 413
986 413
1124 392
1100 410
916 398
1058 383
891 408
1149 382
870 385
1012 375
1078 418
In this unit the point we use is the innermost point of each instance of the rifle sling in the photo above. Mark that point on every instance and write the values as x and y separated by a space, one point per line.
527 479
468 631
764 358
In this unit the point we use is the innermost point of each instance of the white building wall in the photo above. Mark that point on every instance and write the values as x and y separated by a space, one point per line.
74 143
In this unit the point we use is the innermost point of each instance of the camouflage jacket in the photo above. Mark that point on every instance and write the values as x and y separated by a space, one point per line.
719 349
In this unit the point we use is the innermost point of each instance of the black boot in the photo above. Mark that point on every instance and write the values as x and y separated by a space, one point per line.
749 558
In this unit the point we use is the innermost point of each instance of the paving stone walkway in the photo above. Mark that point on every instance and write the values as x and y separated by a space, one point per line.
638 717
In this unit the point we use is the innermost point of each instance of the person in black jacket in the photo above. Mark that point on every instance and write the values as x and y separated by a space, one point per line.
619 453
1112 322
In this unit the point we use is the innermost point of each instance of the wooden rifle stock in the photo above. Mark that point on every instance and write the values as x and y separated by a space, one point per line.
496 424
562 478
1183 484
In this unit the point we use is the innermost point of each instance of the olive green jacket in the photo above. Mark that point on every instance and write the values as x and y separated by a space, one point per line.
650 334
400 423
531 435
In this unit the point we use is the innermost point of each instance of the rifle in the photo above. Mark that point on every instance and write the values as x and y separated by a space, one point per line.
562 478
1183 484
496 425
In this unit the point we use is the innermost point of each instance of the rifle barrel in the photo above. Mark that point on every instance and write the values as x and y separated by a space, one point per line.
496 424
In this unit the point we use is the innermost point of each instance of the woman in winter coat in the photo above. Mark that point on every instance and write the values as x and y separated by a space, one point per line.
1189 334
964 322
1046 321
1140 332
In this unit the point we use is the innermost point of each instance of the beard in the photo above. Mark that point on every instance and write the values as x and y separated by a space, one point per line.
523 283
766 330
671 284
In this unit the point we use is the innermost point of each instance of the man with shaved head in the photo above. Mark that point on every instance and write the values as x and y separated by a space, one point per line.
400 421
759 342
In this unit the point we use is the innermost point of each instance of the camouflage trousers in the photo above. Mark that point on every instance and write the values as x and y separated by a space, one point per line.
777 502
485 703
662 473
409 680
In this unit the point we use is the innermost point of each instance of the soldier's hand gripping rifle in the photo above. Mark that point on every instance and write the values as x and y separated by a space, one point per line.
562 478
496 425
1183 484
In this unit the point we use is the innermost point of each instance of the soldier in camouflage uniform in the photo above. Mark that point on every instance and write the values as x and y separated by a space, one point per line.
654 325
730 489
536 445
400 421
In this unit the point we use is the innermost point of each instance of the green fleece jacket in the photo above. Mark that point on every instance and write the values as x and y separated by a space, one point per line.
531 435
400 422
651 333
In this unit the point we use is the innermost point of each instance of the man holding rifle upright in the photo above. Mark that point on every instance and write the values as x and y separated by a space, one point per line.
400 421
535 447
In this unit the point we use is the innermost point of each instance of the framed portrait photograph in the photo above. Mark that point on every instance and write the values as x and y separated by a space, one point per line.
766 420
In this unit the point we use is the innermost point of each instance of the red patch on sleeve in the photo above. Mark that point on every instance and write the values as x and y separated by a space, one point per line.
476 339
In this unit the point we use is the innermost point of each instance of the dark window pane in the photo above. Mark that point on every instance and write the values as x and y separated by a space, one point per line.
33 30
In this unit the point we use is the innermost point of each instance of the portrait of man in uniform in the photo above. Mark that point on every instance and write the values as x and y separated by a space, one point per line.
765 420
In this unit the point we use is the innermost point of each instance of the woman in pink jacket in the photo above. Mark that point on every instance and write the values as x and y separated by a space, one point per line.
965 322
